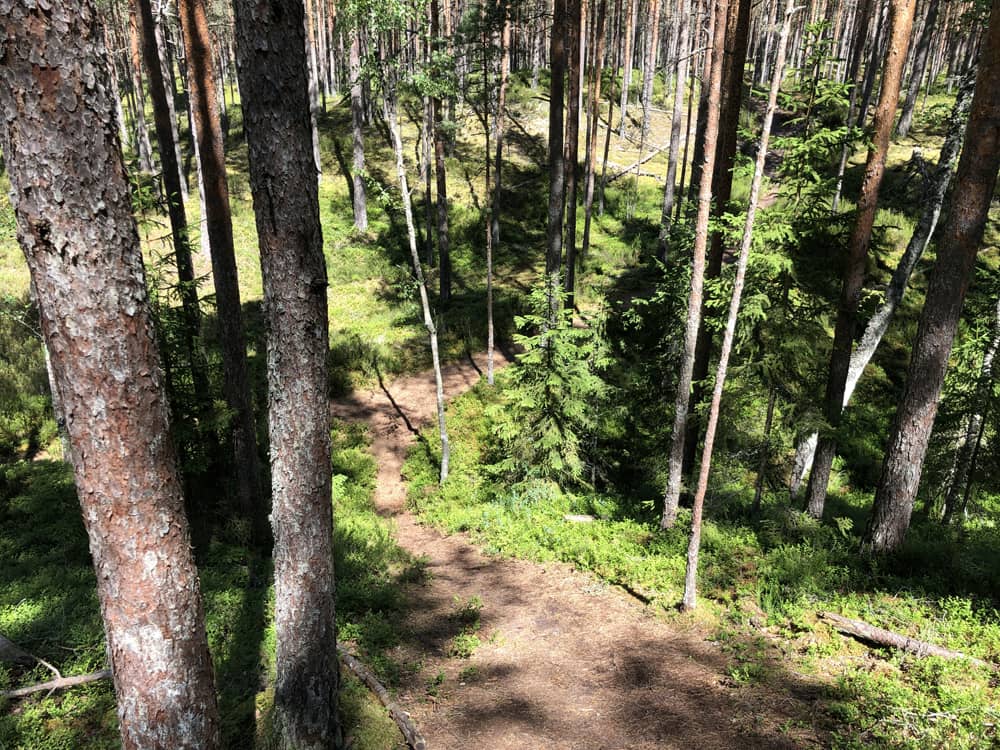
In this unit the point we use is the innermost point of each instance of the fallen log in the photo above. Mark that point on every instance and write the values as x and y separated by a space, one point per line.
639 163
863 631
62 682
413 737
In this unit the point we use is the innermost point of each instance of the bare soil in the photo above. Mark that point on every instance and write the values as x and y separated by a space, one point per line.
565 660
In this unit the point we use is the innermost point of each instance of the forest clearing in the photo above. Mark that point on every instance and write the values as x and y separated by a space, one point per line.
449 374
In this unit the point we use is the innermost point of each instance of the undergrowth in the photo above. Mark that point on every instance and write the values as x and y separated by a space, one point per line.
49 607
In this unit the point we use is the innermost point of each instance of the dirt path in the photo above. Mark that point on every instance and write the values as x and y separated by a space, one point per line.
565 661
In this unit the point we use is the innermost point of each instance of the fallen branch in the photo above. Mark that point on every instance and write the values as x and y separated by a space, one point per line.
413 737
632 166
62 682
881 637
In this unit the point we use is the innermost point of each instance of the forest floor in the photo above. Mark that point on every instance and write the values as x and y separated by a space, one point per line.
507 653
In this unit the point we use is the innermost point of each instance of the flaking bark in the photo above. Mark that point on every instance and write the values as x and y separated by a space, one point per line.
74 221
271 57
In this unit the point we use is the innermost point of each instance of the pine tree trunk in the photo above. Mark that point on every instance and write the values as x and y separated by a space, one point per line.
574 90
649 70
397 144
676 123
672 493
557 165
219 229
284 183
629 40
691 576
144 148
919 66
441 176
594 119
861 29
933 191
174 186
734 63
959 243
900 25
74 219
494 228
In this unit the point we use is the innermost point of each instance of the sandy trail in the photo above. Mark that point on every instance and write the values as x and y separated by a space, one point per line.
565 661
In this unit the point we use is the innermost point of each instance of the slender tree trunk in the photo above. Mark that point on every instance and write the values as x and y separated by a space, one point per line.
441 181
144 148
314 101
977 421
494 229
672 494
698 155
676 123
357 119
284 182
691 576
919 66
900 25
219 227
765 450
166 67
557 164
961 236
649 70
594 103
174 186
74 219
864 15
934 190
397 143
737 31
574 90
629 40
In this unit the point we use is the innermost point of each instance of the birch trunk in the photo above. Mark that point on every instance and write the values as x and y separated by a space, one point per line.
392 116
935 188
961 236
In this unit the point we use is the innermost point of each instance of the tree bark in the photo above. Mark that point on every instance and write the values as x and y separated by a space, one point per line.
881 637
73 206
691 576
672 493
900 25
572 145
961 236
273 71
594 105
676 123
175 189
494 228
144 148
219 226
919 66
973 434
557 165
441 175
737 31
629 40
935 188
357 120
